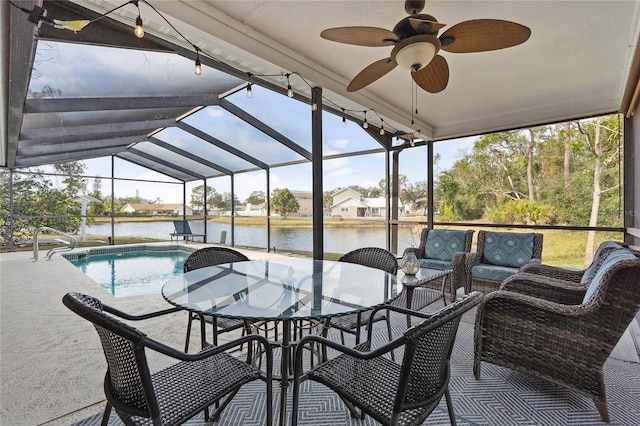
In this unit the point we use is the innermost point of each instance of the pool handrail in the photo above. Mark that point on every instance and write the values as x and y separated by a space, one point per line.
71 244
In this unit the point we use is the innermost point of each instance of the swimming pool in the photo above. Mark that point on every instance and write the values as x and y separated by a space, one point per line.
131 271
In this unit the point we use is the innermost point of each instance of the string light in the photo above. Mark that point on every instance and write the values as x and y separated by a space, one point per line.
139 30
40 16
289 89
249 89
198 69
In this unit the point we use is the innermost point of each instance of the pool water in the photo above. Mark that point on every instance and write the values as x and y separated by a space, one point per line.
132 273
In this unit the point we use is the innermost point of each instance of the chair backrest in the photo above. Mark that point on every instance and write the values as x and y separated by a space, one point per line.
211 256
442 244
612 301
182 227
373 257
604 250
128 382
510 249
425 365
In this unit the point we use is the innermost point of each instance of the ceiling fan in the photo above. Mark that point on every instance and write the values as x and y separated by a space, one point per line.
416 44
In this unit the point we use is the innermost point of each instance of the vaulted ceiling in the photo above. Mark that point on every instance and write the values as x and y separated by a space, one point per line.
580 60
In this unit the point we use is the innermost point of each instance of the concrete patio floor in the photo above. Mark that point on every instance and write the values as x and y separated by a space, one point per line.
51 365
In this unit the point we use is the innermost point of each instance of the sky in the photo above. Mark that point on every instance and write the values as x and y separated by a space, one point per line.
365 171
80 70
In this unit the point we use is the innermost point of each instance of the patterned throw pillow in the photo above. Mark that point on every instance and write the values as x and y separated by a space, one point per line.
442 244
507 249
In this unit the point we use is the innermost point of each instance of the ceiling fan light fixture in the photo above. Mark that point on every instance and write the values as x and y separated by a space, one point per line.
416 56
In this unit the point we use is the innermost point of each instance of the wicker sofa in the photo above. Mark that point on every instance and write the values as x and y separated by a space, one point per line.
561 331
498 256
444 249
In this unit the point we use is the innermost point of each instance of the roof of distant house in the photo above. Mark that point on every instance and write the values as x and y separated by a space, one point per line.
143 206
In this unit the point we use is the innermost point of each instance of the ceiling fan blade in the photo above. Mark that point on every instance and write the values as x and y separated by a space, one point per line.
425 26
371 74
481 35
434 77
361 36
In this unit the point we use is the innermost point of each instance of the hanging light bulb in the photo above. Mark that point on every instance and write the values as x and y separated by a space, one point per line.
365 124
198 69
289 89
249 91
139 30
314 106
382 132
344 119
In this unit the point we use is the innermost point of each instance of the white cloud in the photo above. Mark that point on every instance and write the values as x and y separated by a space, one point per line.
346 171
339 143
214 112
338 163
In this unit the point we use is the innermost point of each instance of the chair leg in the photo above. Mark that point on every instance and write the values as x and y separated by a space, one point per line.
186 343
214 323
388 320
203 332
295 402
476 368
452 415
601 405
106 415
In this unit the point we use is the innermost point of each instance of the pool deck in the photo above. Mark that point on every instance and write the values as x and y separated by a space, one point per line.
51 369
51 365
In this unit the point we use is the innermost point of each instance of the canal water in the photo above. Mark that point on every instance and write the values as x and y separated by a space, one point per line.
336 240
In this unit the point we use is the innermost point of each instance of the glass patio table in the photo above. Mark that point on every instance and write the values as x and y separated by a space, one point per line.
285 291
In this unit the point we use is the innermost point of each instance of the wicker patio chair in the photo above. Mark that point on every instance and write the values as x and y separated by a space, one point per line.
373 257
563 342
499 255
577 276
211 256
444 249
392 393
174 394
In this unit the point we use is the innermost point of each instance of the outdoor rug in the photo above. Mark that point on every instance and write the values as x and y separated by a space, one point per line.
500 397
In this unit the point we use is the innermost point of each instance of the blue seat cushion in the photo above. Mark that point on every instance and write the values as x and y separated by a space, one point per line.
435 264
613 259
442 244
605 248
492 272
508 249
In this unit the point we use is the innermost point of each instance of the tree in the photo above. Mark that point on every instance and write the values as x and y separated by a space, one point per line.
327 198
36 203
601 136
214 199
256 197
283 202
225 201
74 182
416 195
95 208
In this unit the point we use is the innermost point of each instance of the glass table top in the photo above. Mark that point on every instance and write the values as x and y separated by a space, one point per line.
282 289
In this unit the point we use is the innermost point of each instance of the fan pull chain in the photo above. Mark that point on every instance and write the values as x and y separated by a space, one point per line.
413 102
415 86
